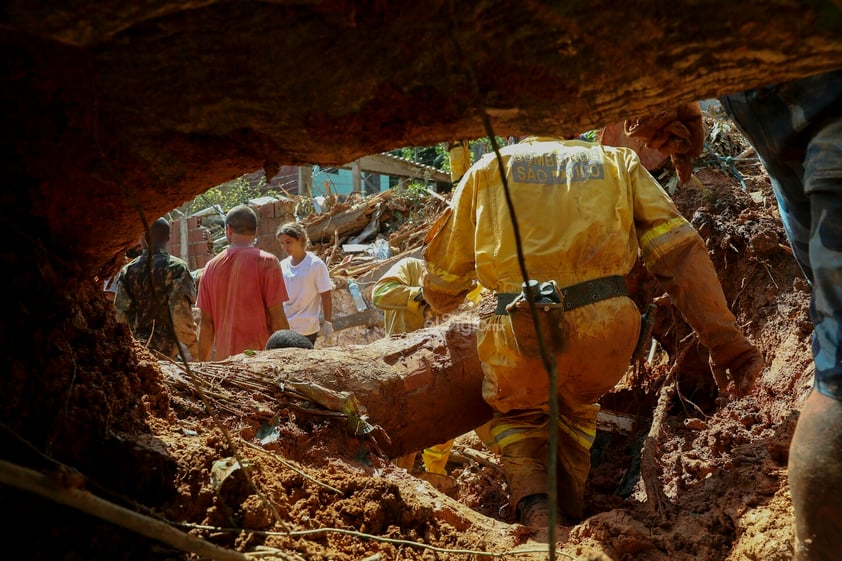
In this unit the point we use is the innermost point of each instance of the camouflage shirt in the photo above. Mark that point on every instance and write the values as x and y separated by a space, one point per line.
147 310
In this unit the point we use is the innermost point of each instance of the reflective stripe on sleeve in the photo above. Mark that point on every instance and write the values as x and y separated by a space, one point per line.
662 229
445 281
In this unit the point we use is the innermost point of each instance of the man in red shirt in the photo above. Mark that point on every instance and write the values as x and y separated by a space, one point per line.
242 292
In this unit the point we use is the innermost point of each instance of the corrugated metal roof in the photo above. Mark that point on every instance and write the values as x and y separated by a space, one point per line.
387 164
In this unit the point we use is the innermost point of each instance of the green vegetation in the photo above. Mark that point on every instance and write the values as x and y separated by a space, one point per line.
438 157
250 186
226 196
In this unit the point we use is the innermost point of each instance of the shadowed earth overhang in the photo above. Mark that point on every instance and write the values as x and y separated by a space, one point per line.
120 107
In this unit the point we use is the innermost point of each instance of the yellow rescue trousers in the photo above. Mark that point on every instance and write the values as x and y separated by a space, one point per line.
435 457
598 340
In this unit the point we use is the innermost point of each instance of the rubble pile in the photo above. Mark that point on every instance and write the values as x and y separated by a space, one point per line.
354 234
359 238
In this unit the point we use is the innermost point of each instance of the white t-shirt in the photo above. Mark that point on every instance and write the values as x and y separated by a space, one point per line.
305 282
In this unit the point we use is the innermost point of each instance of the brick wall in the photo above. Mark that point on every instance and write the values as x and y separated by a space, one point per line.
199 244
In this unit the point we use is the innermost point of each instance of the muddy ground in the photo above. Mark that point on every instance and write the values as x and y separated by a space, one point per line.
315 492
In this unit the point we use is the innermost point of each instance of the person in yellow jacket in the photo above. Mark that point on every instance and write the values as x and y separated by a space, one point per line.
460 159
584 211
398 294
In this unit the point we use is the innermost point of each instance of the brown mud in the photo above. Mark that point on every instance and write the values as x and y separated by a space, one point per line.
314 491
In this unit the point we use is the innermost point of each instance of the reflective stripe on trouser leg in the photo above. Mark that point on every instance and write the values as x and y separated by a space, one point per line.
598 342
484 433
523 439
435 457
575 439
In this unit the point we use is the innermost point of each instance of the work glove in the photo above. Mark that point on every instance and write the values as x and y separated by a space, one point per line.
327 329
678 132
738 362
419 303
418 297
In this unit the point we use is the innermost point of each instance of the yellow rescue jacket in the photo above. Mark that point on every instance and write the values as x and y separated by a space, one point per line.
583 211
396 292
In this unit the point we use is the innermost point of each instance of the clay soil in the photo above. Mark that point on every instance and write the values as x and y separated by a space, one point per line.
311 490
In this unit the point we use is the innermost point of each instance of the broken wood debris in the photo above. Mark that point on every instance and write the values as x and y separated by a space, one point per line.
359 238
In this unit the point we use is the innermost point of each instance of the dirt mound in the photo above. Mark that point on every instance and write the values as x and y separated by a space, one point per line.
300 486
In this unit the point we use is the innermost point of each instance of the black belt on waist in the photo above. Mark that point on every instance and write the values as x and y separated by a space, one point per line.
577 295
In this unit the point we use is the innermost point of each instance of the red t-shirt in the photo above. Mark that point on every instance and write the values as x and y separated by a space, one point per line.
237 289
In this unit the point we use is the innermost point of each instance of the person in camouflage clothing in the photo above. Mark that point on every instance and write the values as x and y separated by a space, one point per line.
796 128
148 309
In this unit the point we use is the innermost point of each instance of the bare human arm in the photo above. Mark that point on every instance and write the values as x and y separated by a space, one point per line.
185 330
277 318
207 332
327 305
181 311
400 286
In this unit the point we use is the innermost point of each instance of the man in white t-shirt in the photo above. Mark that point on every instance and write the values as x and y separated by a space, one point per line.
307 282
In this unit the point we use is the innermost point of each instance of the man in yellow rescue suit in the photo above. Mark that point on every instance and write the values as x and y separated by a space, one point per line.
398 294
460 158
584 211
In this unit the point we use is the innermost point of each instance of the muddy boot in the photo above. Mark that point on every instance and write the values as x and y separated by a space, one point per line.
534 511
815 479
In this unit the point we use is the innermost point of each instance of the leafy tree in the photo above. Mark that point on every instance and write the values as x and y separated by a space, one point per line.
227 195
437 156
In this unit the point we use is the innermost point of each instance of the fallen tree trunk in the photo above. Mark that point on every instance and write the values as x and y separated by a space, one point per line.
422 388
